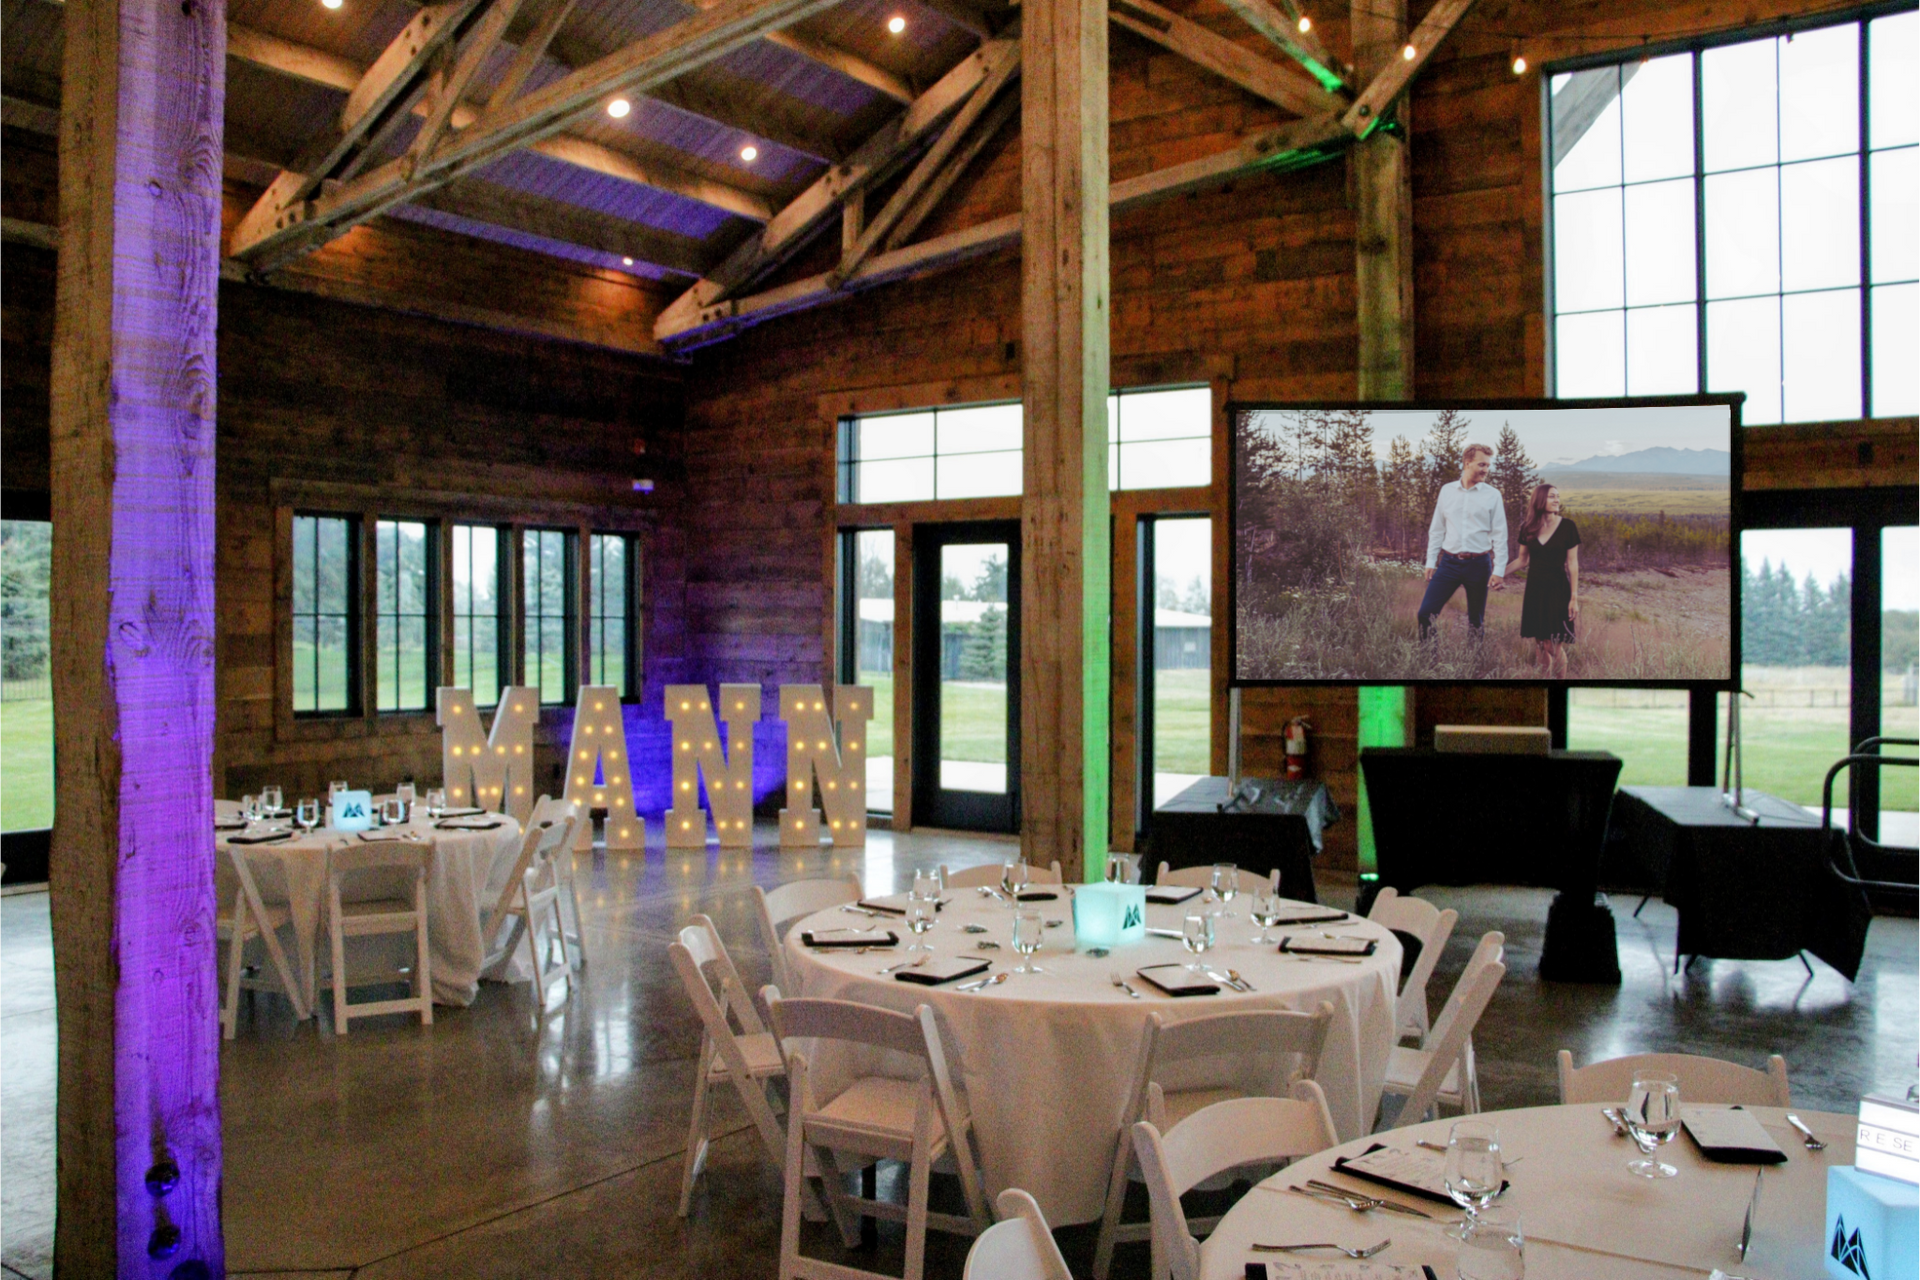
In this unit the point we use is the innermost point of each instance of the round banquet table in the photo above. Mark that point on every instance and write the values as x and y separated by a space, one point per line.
465 874
1583 1215
1047 1059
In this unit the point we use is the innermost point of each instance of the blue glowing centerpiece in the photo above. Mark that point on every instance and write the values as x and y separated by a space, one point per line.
351 811
1106 915
1873 1225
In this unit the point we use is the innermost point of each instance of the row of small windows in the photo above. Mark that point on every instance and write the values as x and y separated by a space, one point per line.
1155 440
409 659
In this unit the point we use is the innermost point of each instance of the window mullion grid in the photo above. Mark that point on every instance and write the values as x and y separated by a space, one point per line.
1621 150
1865 153
1779 245
1699 228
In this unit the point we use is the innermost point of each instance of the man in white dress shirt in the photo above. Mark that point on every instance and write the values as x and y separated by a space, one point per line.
1466 543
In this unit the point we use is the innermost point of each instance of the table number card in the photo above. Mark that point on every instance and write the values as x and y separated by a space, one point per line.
1889 1141
1342 1271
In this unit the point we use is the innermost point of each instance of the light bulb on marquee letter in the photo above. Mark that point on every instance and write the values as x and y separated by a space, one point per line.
729 773
599 747
841 767
494 771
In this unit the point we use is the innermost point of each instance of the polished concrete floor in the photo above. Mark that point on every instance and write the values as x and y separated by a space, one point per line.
516 1140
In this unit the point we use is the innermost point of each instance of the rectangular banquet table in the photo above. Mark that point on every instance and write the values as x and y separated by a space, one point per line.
465 874
1047 1059
1282 828
1744 890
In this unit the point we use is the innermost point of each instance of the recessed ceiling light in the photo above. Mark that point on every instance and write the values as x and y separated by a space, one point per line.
749 153
1306 24
618 108
626 262
896 24
331 4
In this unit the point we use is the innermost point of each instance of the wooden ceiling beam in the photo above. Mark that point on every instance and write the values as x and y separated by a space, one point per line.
448 83
533 48
314 66
928 200
1283 29
638 67
500 206
1293 145
850 65
1281 84
794 225
1380 93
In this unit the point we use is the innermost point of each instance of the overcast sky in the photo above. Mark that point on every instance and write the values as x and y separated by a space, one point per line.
1828 553
1571 435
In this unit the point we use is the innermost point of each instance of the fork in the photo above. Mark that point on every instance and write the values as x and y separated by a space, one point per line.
1121 983
1357 1201
1812 1143
914 963
1366 1252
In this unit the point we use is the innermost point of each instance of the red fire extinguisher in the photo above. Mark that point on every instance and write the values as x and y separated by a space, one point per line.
1296 747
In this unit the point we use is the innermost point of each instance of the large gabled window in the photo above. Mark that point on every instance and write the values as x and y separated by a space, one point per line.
1742 216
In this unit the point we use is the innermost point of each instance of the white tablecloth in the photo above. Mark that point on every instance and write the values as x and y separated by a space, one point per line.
1584 1216
464 875
1047 1058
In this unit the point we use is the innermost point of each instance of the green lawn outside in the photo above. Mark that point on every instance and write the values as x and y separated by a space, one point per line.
880 728
26 764
1181 723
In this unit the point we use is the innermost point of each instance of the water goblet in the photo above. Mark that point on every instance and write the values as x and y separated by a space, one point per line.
334 789
1474 1173
920 915
926 885
407 795
307 814
1014 878
1265 910
250 808
1226 882
436 801
1116 870
1492 1247
271 800
1028 928
1196 935
1653 1117
394 812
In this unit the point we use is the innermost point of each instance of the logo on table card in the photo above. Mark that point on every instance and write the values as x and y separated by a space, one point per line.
1134 918
1847 1249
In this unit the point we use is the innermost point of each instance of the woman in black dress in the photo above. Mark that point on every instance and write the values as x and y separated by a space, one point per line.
1550 551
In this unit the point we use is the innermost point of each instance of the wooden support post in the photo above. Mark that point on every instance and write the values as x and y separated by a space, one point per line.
1065 651
1383 217
144 89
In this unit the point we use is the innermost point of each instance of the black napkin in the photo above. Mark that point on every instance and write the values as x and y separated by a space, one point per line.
1731 1136
833 939
461 813
1173 894
1178 980
935 972
466 825
265 837
1328 947
1038 895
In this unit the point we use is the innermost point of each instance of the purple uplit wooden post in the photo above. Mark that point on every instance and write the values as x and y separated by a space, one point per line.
133 632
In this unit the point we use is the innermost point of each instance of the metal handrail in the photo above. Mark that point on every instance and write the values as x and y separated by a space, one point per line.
1850 874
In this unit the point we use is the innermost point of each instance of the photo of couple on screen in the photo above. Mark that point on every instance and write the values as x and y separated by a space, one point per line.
1513 543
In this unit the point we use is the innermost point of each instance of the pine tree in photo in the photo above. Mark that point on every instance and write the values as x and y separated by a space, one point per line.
1402 484
1514 476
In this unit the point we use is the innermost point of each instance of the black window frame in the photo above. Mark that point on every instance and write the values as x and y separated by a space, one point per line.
532 597
502 608
430 616
356 665
629 689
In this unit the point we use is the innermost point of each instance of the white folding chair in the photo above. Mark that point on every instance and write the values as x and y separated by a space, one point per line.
875 1117
989 875
746 1058
529 903
1220 1046
1713 1081
547 809
1432 926
1442 1071
791 901
246 919
1019 1246
355 860
1226 1135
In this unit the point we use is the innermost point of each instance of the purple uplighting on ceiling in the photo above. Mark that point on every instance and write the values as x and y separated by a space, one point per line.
535 244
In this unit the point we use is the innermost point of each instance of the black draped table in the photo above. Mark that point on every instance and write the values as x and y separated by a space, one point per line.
1744 890
1460 817
1280 828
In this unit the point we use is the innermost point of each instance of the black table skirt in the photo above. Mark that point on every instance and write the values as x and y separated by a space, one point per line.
1280 829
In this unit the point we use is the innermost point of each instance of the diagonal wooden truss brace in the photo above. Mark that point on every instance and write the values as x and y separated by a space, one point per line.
1281 84
292 228
695 319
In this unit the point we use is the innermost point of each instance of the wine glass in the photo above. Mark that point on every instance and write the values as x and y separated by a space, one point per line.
1013 877
926 885
1474 1173
249 808
271 799
307 814
1196 935
1653 1117
334 789
1492 1247
436 801
1265 911
1027 930
1226 882
920 915
394 812
1116 870
407 795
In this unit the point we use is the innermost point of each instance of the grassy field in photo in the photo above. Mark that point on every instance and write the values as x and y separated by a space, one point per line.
1640 494
1640 625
